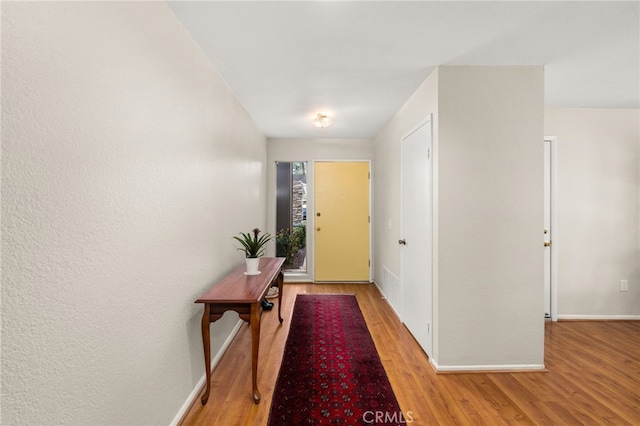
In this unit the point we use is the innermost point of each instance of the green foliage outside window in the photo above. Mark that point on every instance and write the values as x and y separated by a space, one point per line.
289 242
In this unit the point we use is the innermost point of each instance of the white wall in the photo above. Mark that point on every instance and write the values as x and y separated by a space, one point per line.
386 176
488 292
598 208
127 166
292 149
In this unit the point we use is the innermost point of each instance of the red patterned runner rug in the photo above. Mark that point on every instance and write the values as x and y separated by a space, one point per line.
331 372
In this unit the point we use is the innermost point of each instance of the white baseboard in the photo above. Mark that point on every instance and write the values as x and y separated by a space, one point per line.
493 368
386 299
297 279
214 361
599 317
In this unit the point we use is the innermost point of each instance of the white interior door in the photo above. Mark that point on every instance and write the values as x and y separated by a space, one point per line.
416 301
547 229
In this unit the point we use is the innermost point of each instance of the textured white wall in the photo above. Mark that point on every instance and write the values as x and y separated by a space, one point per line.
127 166
490 299
487 212
292 149
387 183
598 208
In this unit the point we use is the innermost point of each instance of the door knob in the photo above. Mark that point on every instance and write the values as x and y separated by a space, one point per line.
318 228
547 243
402 242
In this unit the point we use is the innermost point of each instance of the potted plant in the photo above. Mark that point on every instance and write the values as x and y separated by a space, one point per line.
253 247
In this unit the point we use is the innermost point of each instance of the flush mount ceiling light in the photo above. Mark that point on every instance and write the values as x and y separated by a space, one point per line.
322 120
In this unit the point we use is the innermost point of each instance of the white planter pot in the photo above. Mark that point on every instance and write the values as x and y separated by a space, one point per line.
252 265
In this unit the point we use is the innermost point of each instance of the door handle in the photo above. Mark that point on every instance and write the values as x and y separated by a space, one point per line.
547 243
402 242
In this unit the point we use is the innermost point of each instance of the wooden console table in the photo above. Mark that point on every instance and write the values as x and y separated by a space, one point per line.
243 294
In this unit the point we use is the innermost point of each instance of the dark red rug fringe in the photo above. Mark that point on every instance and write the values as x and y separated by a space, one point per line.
331 372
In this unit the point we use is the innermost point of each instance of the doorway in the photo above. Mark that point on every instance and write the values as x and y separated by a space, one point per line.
550 229
342 221
416 261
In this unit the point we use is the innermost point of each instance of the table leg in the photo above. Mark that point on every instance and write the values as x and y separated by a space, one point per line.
206 343
255 344
280 286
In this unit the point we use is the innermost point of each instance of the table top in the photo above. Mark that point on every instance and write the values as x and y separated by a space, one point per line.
240 288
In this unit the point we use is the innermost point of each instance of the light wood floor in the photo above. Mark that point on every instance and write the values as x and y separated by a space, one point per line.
593 374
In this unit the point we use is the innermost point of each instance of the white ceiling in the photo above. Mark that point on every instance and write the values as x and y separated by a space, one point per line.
360 61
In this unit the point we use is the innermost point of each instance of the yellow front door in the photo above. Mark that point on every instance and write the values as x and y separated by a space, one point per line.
342 221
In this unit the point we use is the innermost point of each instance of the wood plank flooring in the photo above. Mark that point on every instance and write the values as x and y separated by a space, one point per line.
593 374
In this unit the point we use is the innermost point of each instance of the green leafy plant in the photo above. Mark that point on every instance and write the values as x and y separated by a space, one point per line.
253 245
289 241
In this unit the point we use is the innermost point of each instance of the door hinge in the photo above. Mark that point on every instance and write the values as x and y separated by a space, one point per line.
368 175
369 262
369 219
428 152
